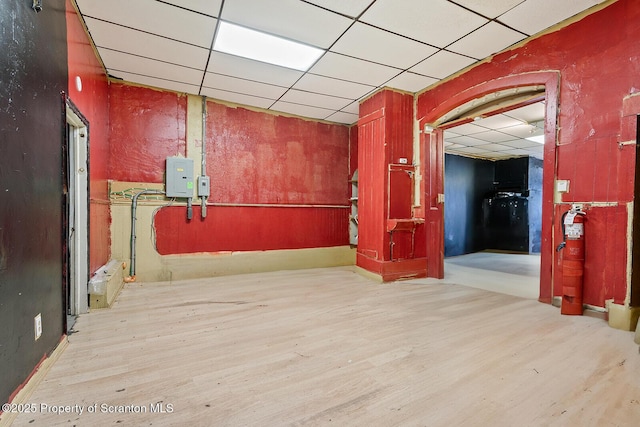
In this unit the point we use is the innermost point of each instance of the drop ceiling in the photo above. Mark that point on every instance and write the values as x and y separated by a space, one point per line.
403 44
500 136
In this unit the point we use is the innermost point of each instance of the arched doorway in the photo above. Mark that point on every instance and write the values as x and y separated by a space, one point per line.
487 98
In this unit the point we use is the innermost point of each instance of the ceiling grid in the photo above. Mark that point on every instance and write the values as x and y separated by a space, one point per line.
369 44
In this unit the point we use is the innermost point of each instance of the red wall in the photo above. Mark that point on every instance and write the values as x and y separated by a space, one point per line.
597 59
253 158
147 126
385 188
93 103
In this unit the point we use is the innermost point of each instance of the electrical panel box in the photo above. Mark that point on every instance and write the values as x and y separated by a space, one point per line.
203 186
179 177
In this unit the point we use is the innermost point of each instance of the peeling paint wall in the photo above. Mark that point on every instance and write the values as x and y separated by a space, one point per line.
92 101
277 182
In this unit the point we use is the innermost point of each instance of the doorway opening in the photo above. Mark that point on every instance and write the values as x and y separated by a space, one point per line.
491 98
76 173
493 191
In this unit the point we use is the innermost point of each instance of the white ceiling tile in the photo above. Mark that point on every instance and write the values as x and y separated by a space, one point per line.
498 121
230 65
468 129
467 141
486 41
519 131
352 69
352 8
493 136
208 7
521 143
237 98
442 64
302 110
315 99
471 150
122 62
343 117
311 25
353 108
168 20
451 134
366 42
490 9
147 45
530 113
437 22
495 147
533 16
411 82
158 83
247 87
335 87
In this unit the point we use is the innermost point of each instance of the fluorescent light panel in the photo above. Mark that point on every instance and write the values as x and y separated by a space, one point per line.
539 139
252 44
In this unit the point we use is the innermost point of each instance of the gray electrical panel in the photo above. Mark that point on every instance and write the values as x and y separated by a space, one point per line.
179 177
204 186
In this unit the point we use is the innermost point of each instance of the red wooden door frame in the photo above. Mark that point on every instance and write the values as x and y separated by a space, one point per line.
433 149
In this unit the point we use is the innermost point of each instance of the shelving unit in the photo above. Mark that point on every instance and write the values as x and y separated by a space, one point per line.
353 215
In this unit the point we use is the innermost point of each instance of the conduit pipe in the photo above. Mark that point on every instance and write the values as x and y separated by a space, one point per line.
203 165
134 206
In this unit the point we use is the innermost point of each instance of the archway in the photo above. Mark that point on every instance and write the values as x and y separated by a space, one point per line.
484 98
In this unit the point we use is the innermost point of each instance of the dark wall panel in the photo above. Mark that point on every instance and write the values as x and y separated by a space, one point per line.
467 182
535 205
33 73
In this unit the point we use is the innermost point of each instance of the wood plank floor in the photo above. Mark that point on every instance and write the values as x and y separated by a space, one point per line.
330 347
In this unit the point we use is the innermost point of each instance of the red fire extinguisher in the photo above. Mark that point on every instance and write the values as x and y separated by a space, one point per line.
572 261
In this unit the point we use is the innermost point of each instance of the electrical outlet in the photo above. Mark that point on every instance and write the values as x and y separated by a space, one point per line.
37 325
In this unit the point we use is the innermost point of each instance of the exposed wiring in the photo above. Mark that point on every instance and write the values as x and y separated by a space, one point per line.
129 194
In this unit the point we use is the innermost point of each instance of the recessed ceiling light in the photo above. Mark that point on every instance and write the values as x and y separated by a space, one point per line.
252 44
539 139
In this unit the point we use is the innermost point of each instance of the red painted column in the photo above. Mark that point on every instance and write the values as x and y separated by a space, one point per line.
390 238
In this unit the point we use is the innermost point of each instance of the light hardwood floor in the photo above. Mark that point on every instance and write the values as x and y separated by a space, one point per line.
330 347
